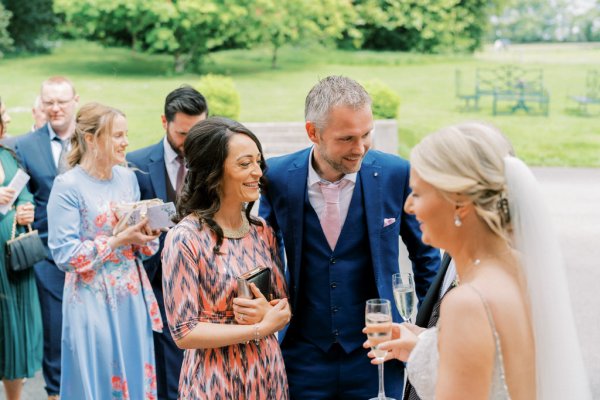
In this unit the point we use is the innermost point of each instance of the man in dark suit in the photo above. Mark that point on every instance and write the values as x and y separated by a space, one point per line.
43 156
160 174
338 209
429 310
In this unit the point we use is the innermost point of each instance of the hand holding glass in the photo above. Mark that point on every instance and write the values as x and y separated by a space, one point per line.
403 284
378 317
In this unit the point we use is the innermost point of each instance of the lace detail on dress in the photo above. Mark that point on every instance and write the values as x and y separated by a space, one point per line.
422 365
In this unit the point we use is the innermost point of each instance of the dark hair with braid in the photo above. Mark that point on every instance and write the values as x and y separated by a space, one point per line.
206 148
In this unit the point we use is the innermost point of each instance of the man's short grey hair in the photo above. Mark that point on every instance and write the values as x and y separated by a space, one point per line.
331 92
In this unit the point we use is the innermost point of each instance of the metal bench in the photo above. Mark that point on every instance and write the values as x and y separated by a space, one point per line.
592 93
511 88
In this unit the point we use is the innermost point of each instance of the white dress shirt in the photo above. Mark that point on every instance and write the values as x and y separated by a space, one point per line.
315 196
56 146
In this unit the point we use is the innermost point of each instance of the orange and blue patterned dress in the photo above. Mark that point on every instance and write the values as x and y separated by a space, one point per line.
199 286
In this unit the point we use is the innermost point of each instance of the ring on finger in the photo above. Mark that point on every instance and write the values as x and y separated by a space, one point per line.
241 317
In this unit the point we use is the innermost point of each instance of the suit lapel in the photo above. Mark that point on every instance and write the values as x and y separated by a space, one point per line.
45 149
157 170
296 192
372 197
433 293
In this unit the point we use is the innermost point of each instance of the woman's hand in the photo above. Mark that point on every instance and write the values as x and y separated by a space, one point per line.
6 195
276 318
25 214
138 234
404 339
251 311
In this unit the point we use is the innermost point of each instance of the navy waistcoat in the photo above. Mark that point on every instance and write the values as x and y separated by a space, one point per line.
335 284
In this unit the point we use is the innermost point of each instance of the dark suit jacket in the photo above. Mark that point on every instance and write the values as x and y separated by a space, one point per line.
384 180
151 175
433 294
35 155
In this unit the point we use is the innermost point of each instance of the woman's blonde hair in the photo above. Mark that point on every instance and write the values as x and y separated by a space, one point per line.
95 119
468 160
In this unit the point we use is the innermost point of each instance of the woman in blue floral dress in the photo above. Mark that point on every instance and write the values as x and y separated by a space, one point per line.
109 310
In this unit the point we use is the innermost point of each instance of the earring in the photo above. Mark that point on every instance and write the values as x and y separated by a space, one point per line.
457 221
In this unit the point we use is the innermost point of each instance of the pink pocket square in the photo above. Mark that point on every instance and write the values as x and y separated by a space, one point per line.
388 221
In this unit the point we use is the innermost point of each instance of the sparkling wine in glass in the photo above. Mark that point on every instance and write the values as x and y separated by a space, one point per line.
378 315
404 294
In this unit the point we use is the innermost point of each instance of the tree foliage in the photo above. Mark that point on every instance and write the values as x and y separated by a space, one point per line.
6 42
280 22
422 25
524 21
189 29
31 25
186 29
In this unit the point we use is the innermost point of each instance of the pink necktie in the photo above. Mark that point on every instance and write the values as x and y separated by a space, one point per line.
331 221
180 174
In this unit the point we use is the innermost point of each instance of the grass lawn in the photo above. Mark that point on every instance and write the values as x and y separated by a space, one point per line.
137 84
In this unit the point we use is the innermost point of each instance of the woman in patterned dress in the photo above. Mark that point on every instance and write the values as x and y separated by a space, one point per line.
231 348
109 309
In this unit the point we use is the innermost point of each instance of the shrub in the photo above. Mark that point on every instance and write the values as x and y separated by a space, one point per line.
221 95
385 100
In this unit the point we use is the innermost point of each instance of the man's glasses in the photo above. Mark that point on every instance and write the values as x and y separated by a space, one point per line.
59 103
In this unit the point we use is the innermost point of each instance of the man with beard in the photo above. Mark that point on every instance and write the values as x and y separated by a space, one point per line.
43 155
160 173
338 208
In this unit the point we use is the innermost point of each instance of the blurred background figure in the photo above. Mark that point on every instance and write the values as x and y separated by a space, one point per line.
228 340
43 155
109 307
160 171
38 114
20 315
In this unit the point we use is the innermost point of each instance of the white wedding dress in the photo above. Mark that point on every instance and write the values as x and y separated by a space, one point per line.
560 372
422 364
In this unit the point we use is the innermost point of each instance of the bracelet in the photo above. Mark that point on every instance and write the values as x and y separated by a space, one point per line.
256 334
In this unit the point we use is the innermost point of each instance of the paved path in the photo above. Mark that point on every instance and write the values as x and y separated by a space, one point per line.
573 197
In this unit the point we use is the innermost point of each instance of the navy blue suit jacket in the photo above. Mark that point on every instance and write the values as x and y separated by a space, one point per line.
35 155
384 178
149 164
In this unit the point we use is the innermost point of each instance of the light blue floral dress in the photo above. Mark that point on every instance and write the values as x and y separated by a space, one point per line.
109 309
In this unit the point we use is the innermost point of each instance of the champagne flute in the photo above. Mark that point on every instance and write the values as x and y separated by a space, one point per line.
378 315
403 284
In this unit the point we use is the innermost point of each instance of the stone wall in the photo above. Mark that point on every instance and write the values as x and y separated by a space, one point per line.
278 138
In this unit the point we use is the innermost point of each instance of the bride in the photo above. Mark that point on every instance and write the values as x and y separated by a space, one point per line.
507 330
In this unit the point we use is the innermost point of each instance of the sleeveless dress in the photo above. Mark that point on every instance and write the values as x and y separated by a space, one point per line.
422 365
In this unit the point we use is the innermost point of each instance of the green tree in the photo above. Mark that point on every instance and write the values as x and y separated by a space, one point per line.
281 22
6 42
185 29
32 24
422 25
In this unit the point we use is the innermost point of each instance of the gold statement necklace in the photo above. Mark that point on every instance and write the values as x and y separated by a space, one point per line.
239 232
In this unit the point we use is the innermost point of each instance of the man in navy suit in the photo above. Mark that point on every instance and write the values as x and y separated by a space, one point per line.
160 174
43 155
340 251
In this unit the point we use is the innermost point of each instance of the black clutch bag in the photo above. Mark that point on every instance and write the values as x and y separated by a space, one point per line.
23 251
261 277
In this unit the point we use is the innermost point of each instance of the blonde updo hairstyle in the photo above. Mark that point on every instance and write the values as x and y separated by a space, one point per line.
466 161
95 119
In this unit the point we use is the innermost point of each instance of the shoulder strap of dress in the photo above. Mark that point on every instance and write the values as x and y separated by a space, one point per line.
488 311
499 358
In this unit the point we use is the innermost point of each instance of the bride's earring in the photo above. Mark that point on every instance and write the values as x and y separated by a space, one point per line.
457 221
